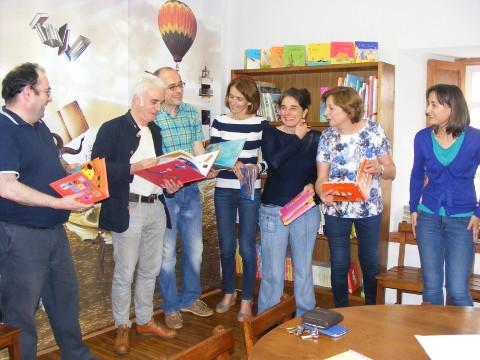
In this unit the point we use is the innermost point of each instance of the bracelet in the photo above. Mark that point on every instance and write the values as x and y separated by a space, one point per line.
382 169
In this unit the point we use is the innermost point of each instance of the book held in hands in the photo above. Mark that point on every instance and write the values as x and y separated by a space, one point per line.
179 166
247 182
352 191
90 180
228 153
296 207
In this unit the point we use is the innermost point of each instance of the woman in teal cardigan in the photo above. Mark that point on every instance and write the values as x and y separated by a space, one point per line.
445 209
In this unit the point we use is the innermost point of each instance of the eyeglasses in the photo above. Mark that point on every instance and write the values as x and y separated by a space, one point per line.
38 91
179 85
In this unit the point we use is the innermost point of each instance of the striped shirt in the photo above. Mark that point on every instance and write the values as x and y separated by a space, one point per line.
180 131
225 128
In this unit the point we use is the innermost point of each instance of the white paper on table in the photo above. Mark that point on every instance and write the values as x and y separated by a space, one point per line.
440 347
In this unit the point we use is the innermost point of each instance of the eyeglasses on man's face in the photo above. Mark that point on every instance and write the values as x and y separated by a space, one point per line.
179 85
38 91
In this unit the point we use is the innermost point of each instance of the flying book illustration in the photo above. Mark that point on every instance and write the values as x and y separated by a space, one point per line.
352 191
228 153
179 166
53 37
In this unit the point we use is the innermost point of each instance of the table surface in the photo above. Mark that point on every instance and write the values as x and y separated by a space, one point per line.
378 331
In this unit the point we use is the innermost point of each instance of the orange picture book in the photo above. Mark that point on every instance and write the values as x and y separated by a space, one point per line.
90 181
352 191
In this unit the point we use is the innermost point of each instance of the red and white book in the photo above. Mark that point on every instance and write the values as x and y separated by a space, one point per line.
296 207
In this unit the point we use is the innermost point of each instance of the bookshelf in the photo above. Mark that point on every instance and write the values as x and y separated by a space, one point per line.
314 77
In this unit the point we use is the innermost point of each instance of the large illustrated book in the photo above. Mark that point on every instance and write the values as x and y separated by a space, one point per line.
90 181
228 153
296 207
352 191
179 166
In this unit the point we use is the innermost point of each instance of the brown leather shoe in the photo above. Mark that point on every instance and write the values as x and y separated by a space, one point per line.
121 345
153 329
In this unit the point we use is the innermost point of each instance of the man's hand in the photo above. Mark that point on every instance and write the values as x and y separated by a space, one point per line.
71 202
142 164
172 186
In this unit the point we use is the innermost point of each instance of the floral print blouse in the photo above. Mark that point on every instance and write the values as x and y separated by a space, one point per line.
344 154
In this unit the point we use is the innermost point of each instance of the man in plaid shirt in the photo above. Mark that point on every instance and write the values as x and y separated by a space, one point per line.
181 129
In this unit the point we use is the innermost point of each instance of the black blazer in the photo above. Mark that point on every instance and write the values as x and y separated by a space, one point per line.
116 141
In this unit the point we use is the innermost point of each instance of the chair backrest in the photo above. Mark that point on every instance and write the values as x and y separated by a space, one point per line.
216 346
404 236
254 328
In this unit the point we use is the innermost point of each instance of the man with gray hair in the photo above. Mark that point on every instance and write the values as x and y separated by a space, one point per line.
135 212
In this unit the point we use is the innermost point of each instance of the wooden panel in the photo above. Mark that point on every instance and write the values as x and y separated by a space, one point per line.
446 72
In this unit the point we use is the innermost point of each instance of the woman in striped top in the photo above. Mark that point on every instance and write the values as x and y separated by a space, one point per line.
243 101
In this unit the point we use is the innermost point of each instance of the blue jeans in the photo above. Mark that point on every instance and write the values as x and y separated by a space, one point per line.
338 232
301 234
445 241
227 202
139 246
185 210
37 263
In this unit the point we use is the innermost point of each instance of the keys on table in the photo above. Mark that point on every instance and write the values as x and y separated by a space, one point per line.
302 332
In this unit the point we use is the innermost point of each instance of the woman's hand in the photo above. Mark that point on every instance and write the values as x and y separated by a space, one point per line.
236 169
309 188
414 216
301 129
374 167
473 225
327 197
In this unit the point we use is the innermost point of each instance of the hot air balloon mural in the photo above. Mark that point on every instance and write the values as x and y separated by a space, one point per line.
178 27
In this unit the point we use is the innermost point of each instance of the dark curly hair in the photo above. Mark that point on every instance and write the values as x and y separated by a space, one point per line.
301 95
21 76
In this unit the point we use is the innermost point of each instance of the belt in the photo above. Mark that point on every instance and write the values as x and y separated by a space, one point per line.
145 199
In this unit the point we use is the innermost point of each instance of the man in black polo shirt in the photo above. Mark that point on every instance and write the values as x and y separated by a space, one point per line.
35 258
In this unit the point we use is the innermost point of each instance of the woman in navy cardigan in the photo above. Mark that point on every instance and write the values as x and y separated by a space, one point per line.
443 203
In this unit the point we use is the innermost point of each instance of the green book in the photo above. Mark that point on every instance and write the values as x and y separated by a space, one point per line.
294 55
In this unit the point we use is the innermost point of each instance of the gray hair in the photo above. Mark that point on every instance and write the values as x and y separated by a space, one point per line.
144 83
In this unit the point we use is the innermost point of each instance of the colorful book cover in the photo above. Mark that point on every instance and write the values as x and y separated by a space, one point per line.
342 52
294 55
252 59
228 153
296 207
179 166
354 279
276 56
318 54
323 105
90 181
352 191
265 59
366 51
247 182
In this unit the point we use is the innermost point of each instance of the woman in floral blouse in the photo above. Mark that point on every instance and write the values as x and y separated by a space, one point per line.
349 140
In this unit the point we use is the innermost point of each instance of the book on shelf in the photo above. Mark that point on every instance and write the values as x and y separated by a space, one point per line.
228 153
89 180
366 51
265 59
342 52
294 55
296 207
318 54
352 191
179 166
323 105
252 59
247 182
321 273
269 97
354 278
276 56
366 88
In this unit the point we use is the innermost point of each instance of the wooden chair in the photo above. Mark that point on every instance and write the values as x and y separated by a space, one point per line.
408 279
215 347
255 328
10 338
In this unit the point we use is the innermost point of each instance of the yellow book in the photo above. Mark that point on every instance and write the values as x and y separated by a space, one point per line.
265 59
318 54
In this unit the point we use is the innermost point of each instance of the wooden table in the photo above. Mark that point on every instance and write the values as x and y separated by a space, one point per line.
9 338
379 332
